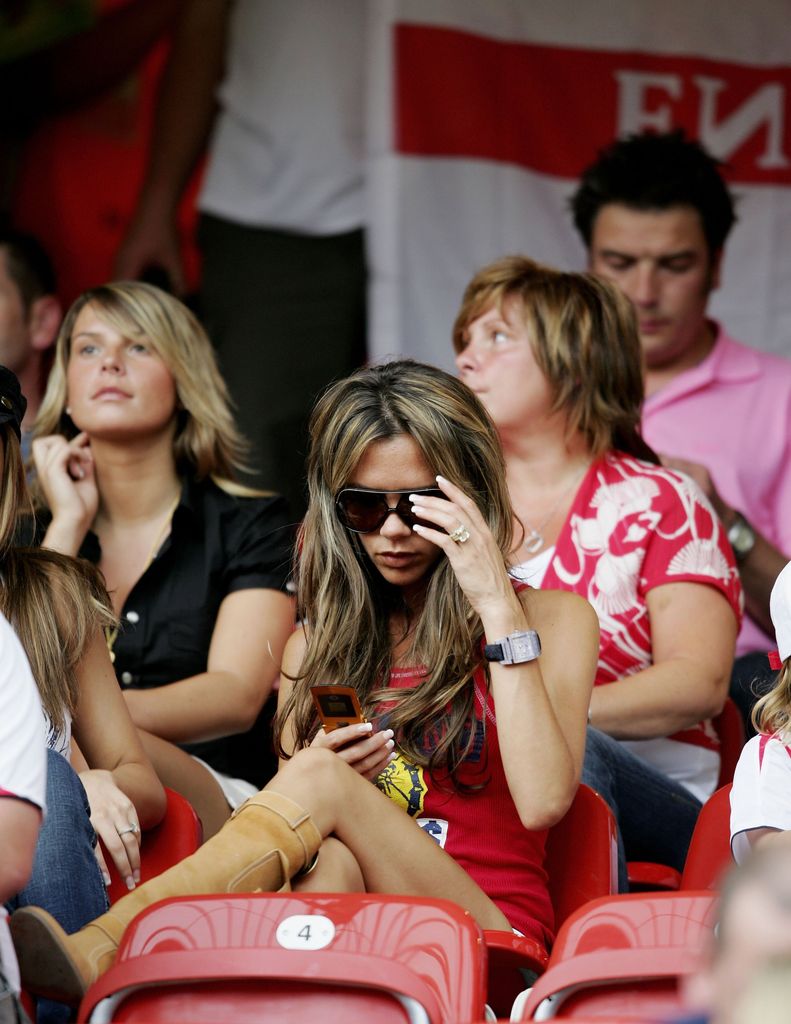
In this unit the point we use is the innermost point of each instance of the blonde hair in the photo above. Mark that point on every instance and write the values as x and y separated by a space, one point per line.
55 604
584 337
772 713
345 601
207 442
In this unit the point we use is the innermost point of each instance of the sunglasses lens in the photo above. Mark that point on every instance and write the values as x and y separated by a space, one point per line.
366 511
362 511
408 515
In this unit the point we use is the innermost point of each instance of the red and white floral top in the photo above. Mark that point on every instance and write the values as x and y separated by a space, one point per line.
634 526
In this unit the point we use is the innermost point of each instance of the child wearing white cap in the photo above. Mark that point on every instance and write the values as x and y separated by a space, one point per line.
761 793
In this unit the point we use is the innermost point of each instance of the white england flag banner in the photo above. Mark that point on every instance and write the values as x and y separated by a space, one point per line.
483 113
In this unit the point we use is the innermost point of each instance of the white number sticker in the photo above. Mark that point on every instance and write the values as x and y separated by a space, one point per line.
305 931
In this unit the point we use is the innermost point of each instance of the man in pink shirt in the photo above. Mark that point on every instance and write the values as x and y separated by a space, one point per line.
654 212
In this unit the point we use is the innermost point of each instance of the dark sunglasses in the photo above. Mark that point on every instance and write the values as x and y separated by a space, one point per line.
365 511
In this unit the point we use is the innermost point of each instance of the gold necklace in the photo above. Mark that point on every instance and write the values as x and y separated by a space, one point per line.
111 633
534 539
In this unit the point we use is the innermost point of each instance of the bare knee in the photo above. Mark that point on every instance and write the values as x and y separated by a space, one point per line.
325 770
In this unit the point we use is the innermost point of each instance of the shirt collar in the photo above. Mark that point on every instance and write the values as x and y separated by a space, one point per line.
728 361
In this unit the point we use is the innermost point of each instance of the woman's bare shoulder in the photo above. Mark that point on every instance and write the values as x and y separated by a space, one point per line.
552 610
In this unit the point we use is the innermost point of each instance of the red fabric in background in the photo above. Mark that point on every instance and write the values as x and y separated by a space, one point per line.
79 178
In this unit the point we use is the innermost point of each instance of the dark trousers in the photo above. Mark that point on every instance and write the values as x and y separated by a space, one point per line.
287 315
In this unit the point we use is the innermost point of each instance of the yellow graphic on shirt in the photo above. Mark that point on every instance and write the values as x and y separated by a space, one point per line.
404 784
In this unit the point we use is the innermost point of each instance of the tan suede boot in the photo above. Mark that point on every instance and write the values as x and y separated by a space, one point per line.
267 841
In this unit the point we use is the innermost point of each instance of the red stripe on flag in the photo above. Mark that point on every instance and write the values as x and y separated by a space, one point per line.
551 108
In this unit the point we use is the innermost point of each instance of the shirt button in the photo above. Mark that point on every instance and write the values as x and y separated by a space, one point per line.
126 678
132 617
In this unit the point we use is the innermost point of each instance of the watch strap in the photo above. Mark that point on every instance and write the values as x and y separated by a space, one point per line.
514 649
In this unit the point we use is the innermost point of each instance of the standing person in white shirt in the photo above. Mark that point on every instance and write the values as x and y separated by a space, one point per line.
283 270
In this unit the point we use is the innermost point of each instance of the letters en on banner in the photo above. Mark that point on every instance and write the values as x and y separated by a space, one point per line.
550 108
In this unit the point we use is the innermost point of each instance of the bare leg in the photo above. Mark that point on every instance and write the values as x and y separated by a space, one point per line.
336 870
177 770
394 855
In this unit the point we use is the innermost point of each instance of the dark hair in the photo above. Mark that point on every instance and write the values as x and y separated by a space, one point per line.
29 266
655 172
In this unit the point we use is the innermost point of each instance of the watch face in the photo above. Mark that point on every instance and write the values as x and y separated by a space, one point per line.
741 536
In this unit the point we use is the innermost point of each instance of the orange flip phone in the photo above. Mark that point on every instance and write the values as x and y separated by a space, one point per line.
337 706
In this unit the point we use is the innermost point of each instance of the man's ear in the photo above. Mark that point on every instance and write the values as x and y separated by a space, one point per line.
44 319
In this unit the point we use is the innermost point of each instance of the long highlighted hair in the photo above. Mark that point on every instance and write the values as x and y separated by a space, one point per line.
343 599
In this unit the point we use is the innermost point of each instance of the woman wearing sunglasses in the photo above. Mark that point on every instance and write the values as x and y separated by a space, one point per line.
476 727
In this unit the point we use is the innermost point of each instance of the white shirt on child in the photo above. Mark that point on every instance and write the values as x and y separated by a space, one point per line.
761 793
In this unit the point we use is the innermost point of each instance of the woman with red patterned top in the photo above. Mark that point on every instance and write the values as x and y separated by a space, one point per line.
555 358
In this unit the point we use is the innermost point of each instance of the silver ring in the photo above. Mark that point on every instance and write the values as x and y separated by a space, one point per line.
132 828
460 535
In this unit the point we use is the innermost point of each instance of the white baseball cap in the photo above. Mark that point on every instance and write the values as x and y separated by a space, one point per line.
780 610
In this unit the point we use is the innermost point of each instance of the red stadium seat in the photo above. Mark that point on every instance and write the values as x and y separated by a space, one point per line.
295 957
622 957
582 864
709 853
177 836
645 876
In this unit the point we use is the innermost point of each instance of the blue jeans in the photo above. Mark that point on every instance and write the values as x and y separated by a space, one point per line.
66 878
655 815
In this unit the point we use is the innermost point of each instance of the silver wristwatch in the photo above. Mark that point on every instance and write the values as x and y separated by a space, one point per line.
515 648
741 537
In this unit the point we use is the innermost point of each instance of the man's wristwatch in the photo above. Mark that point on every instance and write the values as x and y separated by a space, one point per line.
741 537
515 648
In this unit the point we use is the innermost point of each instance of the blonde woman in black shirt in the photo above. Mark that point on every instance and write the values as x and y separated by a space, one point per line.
136 455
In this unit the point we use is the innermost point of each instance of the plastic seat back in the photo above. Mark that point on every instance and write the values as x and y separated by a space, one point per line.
177 836
582 854
622 957
582 864
645 876
294 957
709 855
729 727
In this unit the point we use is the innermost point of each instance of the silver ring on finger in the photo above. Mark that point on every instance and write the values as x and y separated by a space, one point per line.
460 535
133 828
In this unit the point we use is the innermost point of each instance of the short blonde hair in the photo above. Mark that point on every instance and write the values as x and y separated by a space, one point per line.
584 337
207 442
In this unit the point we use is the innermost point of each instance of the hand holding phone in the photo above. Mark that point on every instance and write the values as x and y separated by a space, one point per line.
347 733
337 706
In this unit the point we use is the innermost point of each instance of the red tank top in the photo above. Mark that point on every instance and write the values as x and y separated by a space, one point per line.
481 829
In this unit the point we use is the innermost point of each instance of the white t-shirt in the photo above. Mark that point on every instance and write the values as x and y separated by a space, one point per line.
23 760
288 145
761 793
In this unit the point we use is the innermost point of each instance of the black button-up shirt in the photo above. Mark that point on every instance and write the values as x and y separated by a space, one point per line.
218 544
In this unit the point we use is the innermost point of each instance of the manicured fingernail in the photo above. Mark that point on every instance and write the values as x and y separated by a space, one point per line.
441 480
414 498
418 528
392 757
390 744
366 727
106 878
137 877
130 882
